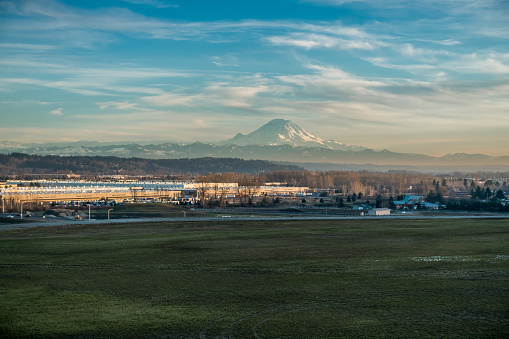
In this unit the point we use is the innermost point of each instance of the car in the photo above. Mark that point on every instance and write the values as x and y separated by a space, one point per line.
10 216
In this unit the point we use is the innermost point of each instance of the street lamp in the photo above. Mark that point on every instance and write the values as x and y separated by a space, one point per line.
111 209
21 204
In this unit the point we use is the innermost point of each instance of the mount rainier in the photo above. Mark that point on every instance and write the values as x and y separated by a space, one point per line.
278 140
279 132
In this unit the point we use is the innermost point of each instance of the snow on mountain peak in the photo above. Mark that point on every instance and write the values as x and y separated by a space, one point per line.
286 132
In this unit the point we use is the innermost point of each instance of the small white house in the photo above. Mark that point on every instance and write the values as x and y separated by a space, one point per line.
379 211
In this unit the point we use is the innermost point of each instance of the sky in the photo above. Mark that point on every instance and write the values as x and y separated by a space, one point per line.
427 76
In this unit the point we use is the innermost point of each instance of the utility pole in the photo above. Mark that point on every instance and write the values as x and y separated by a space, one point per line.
89 212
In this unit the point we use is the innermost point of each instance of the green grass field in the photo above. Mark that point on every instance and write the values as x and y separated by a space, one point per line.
9 221
258 279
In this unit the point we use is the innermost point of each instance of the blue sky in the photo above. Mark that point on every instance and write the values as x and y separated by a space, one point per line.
423 76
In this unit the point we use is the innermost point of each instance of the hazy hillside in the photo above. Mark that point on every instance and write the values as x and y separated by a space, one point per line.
18 163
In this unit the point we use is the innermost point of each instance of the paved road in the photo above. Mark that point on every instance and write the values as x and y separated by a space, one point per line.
52 222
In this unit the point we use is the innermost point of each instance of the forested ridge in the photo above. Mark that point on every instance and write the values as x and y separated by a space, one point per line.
27 164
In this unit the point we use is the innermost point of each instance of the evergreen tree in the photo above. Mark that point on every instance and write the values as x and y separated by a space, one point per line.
500 195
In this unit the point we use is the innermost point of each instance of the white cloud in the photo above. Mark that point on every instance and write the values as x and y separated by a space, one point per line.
90 81
117 105
229 60
73 25
111 74
493 63
236 96
446 42
485 64
333 2
416 52
70 86
417 69
27 46
29 63
57 111
237 92
153 3
331 81
310 41
170 99
219 64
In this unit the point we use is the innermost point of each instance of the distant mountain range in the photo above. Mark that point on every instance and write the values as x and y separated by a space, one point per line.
279 140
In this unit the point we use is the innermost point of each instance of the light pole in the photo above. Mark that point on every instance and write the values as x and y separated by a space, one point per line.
111 209
89 212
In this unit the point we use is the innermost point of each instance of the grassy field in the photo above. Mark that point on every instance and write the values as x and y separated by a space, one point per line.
9 221
258 279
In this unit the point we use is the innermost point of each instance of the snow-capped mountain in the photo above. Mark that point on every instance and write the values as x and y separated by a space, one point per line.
278 140
285 132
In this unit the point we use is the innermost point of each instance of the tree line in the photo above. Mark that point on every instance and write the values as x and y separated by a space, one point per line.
29 164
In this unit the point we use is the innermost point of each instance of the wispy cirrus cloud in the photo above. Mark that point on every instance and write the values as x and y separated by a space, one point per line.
67 22
171 99
18 46
327 81
417 52
492 63
114 73
228 61
485 64
309 41
57 112
87 80
117 105
64 85
152 3
236 96
446 42
426 70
